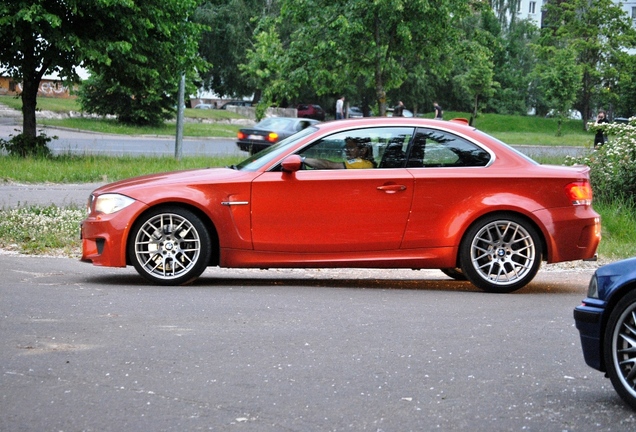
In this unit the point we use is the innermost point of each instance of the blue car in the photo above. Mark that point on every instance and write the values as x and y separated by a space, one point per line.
607 324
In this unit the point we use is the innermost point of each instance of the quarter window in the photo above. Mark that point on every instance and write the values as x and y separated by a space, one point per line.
435 148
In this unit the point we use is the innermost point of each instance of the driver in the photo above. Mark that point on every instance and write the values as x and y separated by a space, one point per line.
359 155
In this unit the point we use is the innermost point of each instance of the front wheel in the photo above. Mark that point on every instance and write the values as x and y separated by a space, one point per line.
619 348
501 253
169 246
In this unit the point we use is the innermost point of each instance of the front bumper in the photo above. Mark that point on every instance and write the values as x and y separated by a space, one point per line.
589 322
104 236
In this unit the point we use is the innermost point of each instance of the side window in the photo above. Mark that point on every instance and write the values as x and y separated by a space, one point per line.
385 147
435 148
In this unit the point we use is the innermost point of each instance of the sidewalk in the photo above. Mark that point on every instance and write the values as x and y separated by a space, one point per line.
62 195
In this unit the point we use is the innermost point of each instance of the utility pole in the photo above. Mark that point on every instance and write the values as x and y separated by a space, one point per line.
178 145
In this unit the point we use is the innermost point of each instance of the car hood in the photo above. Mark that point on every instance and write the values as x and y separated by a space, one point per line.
623 267
135 187
615 275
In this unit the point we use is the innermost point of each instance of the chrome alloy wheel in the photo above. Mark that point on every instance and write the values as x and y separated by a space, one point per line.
167 246
503 252
622 369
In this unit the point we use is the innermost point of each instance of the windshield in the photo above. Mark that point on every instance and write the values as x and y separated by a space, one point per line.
275 123
262 158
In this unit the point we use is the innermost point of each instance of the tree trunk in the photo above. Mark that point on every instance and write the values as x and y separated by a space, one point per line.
29 103
380 94
474 115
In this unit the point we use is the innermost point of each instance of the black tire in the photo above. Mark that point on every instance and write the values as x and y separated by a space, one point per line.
169 246
500 253
455 273
619 348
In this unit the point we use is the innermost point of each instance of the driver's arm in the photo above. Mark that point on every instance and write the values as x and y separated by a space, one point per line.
323 163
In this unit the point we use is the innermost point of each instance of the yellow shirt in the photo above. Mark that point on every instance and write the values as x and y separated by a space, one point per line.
358 163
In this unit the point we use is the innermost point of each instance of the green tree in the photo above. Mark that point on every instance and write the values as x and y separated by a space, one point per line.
477 76
599 31
140 78
40 37
626 88
559 78
472 80
330 46
47 36
231 25
513 60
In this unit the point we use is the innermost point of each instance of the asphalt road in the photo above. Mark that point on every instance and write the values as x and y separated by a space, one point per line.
74 142
97 349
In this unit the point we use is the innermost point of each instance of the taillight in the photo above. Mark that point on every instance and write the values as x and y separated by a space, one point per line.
272 137
580 193
240 135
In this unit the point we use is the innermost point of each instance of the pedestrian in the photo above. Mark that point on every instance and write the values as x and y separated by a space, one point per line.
340 108
600 138
398 111
439 113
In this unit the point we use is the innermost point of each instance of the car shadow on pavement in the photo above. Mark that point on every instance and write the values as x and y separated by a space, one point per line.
442 284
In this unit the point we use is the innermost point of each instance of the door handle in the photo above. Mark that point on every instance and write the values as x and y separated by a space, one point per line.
392 188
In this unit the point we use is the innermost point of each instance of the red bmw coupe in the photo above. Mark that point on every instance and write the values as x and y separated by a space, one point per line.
375 193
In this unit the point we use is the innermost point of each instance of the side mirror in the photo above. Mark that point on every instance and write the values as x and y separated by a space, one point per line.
292 163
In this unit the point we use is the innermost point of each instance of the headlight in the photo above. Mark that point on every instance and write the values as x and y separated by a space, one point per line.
111 203
592 289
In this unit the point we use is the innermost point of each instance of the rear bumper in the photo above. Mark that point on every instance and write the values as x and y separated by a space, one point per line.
252 146
573 233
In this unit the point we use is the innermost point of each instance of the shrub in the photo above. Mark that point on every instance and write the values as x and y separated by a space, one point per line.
613 165
23 145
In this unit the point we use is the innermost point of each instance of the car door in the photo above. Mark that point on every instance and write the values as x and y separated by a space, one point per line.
450 178
335 210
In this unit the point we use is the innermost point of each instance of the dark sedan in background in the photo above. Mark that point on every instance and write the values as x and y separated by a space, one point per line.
606 321
269 131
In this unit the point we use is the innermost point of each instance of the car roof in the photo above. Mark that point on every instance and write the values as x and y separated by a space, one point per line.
458 125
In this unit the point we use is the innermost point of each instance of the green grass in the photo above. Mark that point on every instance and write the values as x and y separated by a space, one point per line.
530 130
40 230
90 169
617 229
108 126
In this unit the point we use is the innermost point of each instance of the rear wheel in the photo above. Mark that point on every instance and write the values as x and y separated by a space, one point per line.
619 348
169 246
501 253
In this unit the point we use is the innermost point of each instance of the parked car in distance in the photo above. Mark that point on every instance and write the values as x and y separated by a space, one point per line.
269 131
355 112
405 112
311 111
606 321
426 194
204 106
236 103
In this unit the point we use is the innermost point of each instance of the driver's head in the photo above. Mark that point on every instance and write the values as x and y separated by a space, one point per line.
355 148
